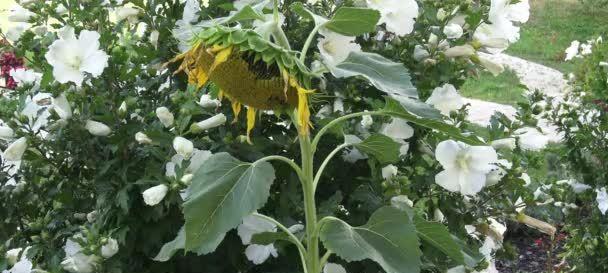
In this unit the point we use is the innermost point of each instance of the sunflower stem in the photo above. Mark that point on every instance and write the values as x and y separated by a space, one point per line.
310 210
308 42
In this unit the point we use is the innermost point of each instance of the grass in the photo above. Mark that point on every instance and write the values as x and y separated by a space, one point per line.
504 88
553 25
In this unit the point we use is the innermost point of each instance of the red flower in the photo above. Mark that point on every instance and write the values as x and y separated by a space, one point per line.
9 62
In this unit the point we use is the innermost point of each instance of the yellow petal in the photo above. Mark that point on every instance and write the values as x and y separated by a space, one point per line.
236 109
221 57
303 110
250 122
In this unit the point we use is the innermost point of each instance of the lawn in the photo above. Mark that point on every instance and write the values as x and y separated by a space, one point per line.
504 88
552 26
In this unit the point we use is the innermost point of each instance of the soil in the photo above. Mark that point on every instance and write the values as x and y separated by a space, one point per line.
535 254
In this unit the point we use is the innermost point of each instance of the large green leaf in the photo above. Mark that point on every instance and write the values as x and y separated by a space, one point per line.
245 14
224 190
437 235
170 248
353 21
382 147
307 14
386 75
396 109
389 238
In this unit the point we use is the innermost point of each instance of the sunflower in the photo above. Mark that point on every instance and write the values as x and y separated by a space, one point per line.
249 71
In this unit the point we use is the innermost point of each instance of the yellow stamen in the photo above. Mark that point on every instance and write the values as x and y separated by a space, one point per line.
250 122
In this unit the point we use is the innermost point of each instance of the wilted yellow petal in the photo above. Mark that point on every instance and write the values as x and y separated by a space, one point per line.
250 122
236 108
221 57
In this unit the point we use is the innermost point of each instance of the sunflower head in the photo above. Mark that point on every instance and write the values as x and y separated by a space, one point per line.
249 71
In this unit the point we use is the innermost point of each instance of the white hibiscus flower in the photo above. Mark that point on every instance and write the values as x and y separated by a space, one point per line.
502 30
252 225
19 14
398 15
71 57
399 130
465 167
602 200
446 99
335 48
75 261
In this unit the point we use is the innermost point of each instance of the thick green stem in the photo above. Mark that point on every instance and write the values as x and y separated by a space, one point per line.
310 209
308 42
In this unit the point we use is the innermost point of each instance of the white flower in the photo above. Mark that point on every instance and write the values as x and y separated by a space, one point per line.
92 216
335 48
110 248
457 269
497 172
586 49
576 186
154 195
398 15
352 155
196 161
493 67
15 151
367 121
438 215
446 99
15 31
19 14
6 133
122 109
62 107
526 178
212 122
183 146
25 76
389 171
465 167
61 9
142 138
504 143
76 261
207 102
441 14
71 57
12 256
165 116
501 31
459 51
602 200
531 139
399 131
401 201
97 128
572 50
253 225
129 13
154 38
23 266
453 31
333 268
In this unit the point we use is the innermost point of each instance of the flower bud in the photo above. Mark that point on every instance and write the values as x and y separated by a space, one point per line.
15 151
62 107
438 215
92 216
154 195
128 13
109 249
154 38
389 171
165 116
6 132
492 67
97 128
187 178
401 202
207 102
40 30
505 143
122 110
441 14
183 146
459 51
212 122
142 138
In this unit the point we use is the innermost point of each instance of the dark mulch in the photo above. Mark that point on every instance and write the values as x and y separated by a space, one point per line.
534 253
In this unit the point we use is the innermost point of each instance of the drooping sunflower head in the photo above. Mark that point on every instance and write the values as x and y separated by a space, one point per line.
248 70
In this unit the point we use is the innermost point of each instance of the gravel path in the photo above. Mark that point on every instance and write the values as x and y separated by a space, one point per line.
534 76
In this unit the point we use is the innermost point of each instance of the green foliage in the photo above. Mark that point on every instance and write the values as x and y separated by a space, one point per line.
389 238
